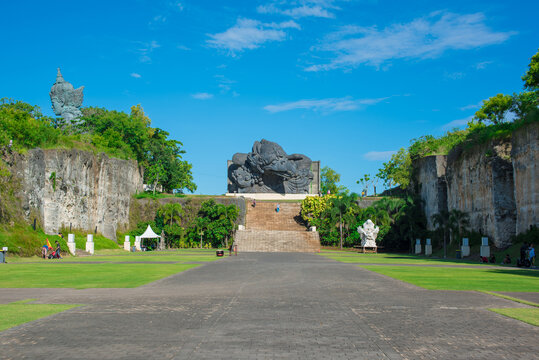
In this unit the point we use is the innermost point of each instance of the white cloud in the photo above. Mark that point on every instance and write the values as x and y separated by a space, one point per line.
325 105
297 12
249 34
457 123
422 38
202 96
379 155
146 49
482 65
224 83
135 75
159 19
300 8
454 75
472 106
183 47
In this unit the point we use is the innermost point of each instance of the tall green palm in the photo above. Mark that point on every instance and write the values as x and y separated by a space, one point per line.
171 213
441 221
457 222
339 207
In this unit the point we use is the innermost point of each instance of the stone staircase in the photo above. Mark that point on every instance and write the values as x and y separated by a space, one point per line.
269 231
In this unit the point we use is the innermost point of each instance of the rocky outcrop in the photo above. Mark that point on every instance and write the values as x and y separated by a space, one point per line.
76 188
480 183
525 159
494 183
430 174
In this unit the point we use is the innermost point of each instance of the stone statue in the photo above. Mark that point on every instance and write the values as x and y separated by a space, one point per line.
268 169
368 234
65 99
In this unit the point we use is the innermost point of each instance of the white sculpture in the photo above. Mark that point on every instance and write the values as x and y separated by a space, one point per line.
368 233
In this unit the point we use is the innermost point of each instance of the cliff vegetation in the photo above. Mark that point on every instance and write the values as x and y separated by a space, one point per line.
499 117
116 133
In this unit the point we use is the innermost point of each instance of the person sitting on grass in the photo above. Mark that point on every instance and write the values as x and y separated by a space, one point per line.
507 259
492 259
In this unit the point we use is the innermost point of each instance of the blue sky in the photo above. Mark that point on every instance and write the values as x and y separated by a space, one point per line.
344 82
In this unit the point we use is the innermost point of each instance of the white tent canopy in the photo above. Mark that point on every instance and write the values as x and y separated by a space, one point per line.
149 234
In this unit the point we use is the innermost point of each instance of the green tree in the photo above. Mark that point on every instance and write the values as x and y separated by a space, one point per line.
531 78
441 221
154 174
457 223
339 207
329 181
171 213
365 181
495 109
25 125
217 221
398 170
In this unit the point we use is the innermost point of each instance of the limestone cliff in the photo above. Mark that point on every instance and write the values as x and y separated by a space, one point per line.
430 174
77 188
525 158
480 183
494 183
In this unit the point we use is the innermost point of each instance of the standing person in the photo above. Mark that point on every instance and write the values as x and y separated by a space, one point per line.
532 256
278 208
44 250
58 256
254 202
523 250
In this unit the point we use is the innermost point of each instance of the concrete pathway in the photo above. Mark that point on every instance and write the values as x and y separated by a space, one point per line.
270 306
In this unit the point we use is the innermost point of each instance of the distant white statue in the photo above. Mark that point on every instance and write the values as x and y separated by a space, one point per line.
368 234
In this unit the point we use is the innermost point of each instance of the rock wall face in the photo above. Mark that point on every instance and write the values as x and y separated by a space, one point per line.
78 188
525 157
480 183
496 184
430 175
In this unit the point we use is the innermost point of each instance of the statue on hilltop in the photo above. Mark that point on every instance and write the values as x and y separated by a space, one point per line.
268 169
66 100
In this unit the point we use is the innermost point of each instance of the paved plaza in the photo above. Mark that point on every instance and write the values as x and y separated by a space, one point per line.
270 306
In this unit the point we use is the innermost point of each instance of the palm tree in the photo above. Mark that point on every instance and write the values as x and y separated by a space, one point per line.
339 207
171 213
441 221
458 221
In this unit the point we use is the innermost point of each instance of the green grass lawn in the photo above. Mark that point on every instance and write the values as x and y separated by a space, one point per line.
109 255
385 258
20 312
100 242
55 274
445 278
530 316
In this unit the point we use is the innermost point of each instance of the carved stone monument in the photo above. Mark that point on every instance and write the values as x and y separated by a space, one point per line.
368 234
66 100
268 169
